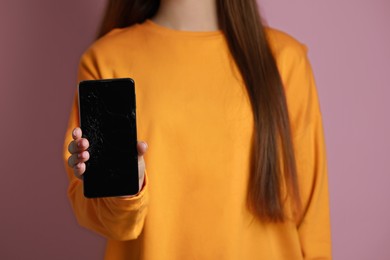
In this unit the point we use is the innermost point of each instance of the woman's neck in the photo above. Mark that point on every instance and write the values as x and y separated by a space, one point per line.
187 15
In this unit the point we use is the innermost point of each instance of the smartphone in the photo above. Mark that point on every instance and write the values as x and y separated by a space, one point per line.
108 120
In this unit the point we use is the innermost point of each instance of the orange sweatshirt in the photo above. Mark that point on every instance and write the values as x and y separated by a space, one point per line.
194 112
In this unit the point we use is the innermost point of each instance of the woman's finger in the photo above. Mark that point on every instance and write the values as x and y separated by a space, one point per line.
78 145
77 158
141 148
79 170
76 133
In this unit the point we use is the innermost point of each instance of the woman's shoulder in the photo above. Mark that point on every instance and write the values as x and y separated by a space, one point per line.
297 76
115 41
284 46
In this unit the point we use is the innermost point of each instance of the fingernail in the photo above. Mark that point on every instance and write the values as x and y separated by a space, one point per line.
74 132
146 145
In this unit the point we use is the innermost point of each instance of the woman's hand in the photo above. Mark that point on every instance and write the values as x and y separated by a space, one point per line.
79 155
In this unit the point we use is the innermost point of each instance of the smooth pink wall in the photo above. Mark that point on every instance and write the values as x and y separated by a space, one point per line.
40 44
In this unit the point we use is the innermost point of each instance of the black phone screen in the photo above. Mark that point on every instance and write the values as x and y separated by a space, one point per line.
108 120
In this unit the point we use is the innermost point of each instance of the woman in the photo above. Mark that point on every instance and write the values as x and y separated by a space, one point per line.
236 164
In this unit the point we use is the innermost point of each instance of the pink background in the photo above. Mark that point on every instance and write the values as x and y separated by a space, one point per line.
41 41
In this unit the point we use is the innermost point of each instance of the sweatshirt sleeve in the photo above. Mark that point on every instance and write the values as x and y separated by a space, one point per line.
310 150
113 217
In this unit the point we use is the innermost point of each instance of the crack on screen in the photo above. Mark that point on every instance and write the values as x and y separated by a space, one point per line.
93 127
106 128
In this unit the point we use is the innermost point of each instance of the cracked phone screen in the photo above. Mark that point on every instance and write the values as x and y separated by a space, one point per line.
108 121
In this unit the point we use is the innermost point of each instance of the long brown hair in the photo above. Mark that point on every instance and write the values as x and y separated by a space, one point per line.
273 161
